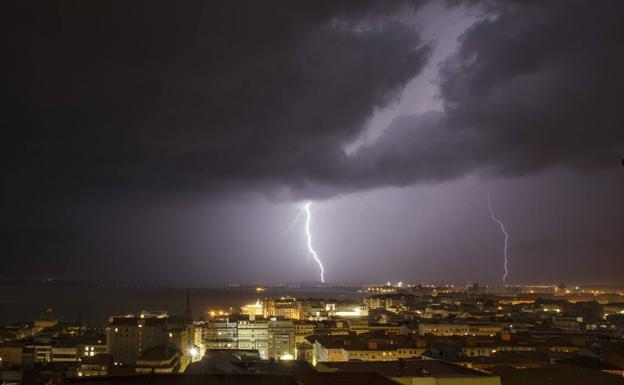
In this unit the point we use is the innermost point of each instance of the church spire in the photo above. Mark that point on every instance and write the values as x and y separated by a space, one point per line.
188 315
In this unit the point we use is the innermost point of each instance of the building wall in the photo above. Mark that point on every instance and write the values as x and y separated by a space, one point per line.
281 338
127 341
45 323
372 355
479 351
93 370
484 330
252 309
198 338
254 334
443 329
302 331
180 338
90 350
221 334
287 308
359 326
11 355
322 354
384 355
36 353
64 354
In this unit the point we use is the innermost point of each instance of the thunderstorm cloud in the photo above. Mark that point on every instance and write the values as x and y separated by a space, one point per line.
106 104
205 97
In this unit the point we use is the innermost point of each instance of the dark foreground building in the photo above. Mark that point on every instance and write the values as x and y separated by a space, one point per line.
557 375
242 379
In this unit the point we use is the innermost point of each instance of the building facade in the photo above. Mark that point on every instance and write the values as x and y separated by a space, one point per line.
281 339
128 337
286 307
220 334
254 334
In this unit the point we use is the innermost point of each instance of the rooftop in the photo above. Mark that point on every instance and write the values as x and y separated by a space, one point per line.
407 368
158 353
242 379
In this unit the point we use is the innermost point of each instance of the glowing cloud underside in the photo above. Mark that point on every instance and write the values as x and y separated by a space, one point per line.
500 223
311 250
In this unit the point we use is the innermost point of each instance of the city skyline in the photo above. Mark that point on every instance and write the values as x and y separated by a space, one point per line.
302 192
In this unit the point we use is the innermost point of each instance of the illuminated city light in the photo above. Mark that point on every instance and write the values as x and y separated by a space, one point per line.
495 219
193 352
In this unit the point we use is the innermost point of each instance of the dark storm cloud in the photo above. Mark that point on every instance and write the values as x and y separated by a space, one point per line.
43 250
536 86
108 106
413 149
111 98
148 101
542 81
144 96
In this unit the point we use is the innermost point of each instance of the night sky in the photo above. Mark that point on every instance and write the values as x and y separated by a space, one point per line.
175 142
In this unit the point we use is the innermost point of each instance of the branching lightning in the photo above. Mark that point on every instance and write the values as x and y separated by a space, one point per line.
500 223
311 250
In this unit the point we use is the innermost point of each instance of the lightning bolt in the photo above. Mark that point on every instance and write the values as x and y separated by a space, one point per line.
500 223
311 251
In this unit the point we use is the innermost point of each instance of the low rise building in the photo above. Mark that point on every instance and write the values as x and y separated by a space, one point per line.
37 352
92 346
11 353
569 324
159 360
255 309
364 347
484 329
64 351
416 372
97 365
443 329
386 301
